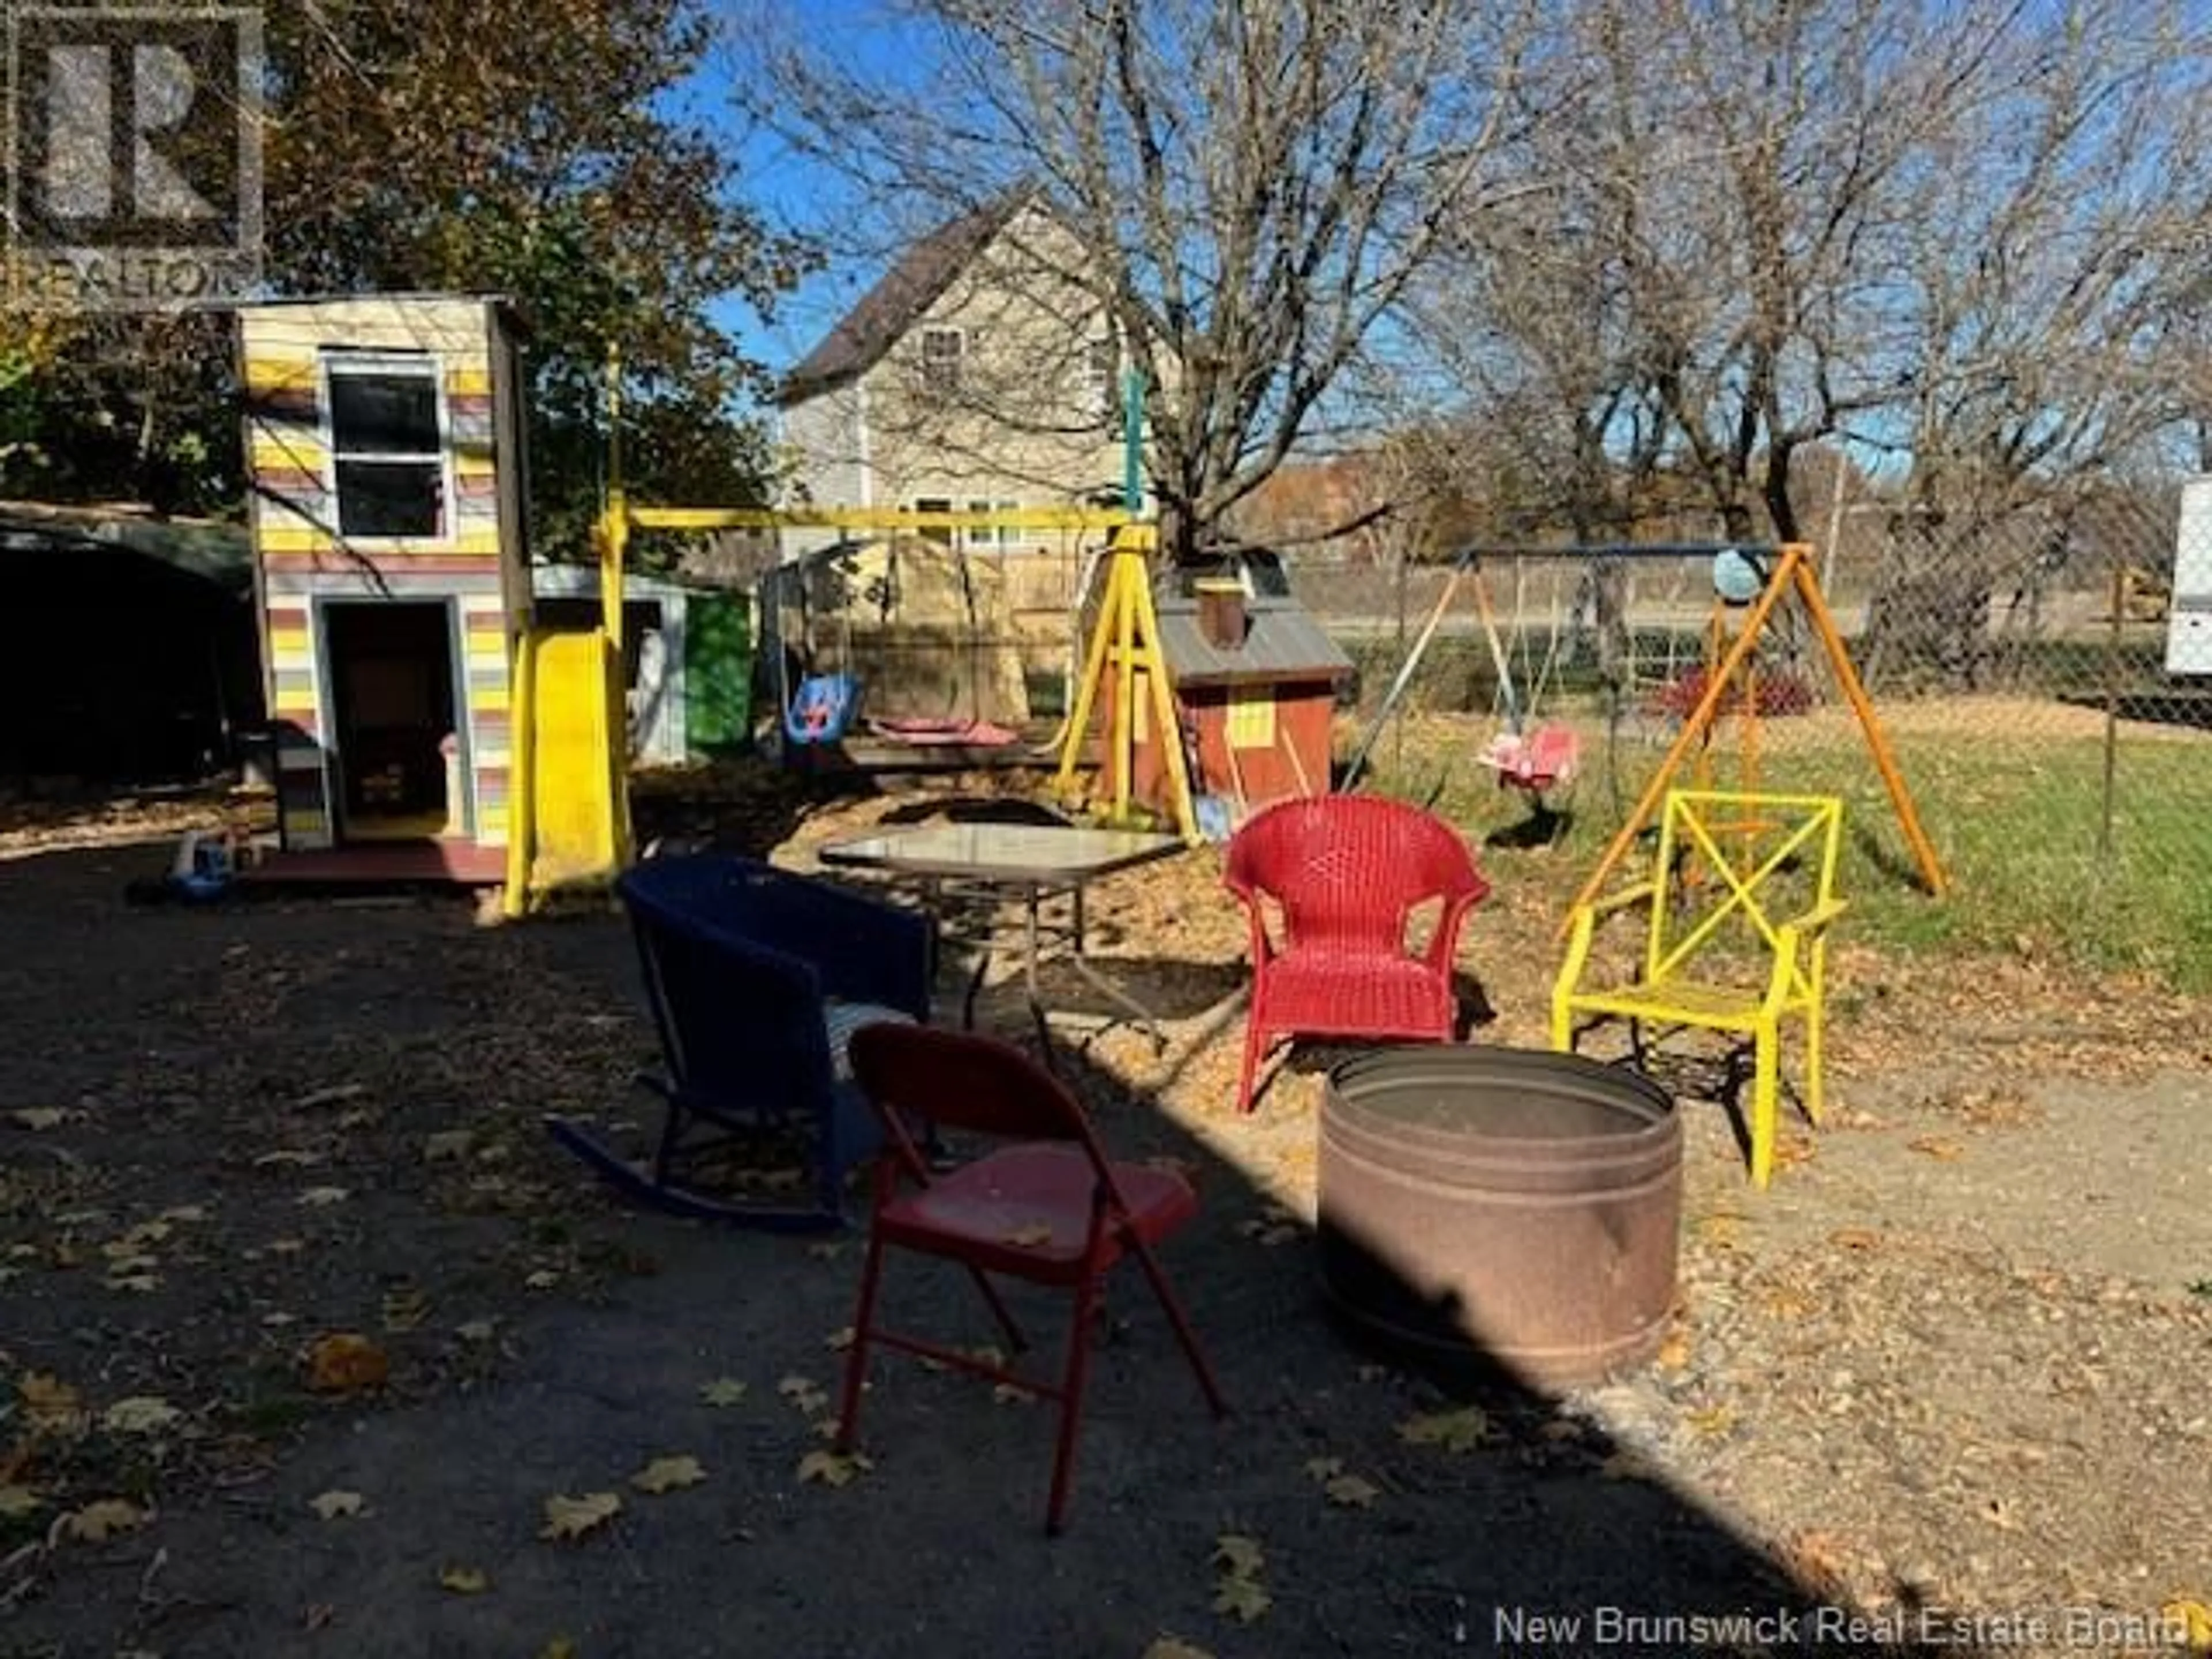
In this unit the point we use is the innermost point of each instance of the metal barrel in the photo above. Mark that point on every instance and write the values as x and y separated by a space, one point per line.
1515 1210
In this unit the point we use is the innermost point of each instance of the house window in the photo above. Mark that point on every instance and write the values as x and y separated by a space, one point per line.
935 504
941 351
996 536
387 447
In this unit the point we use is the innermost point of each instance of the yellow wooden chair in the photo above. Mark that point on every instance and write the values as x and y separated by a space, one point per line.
1737 845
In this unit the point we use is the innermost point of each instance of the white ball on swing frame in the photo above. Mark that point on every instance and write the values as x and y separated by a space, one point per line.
1736 578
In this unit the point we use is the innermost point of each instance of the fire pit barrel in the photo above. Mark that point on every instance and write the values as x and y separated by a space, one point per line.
1514 1209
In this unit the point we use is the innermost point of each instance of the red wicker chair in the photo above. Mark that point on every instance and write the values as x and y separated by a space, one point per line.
1348 872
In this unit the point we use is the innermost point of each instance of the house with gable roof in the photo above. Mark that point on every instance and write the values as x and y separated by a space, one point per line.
976 373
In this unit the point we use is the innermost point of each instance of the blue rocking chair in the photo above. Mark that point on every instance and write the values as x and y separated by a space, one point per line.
822 709
758 977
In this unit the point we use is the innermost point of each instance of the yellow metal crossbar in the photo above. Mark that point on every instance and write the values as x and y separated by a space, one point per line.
1685 820
875 518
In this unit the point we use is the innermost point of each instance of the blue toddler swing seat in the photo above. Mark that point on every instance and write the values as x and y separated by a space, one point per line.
822 708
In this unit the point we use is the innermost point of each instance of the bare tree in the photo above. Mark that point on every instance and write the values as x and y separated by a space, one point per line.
1251 185
1952 233
2045 341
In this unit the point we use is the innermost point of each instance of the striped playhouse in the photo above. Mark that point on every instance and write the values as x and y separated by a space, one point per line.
384 438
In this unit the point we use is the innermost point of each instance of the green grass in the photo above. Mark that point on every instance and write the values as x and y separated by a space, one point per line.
2017 825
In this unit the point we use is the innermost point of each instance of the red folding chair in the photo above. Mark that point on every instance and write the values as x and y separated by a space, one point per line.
1048 1207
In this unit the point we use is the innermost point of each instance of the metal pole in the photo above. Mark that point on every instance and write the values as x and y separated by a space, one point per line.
1398 731
1133 442
616 533
1835 527
2113 714
1406 669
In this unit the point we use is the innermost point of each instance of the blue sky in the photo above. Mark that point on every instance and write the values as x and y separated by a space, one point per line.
791 192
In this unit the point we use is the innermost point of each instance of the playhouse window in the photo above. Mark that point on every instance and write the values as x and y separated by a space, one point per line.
941 351
387 449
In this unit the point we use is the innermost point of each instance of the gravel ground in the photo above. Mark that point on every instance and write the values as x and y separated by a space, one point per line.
1945 1377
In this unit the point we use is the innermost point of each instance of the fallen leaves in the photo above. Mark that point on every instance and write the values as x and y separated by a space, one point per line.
40 1117
286 1157
346 1362
316 1197
448 1146
1238 1592
1350 1491
1459 1431
568 1517
97 1522
1722 1229
1174 1647
330 1096
1273 1225
139 1414
723 1391
2190 1619
1855 1239
16 1502
1345 1490
1937 1148
832 1468
1819 1561
667 1474
1711 1421
802 1393
405 1308
1242 1599
50 1405
1629 1464
839 1339
336 1504
464 1581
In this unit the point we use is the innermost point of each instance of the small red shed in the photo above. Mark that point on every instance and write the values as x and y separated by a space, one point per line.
1255 681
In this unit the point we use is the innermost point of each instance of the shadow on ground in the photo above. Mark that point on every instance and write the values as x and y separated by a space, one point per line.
546 1341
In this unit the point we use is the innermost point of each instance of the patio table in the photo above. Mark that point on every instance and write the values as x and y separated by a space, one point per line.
963 865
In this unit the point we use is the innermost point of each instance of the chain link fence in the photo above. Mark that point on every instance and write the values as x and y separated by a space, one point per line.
2016 660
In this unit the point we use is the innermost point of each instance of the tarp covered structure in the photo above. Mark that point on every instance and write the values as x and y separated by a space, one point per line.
925 626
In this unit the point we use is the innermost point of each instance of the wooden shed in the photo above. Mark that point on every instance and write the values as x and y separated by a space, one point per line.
1255 694
686 658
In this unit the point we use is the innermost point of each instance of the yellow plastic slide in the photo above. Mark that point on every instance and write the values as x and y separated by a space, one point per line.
573 827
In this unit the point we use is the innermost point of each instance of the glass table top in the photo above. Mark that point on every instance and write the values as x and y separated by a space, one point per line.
1004 852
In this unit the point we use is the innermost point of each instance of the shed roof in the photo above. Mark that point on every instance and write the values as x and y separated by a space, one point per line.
509 306
1282 642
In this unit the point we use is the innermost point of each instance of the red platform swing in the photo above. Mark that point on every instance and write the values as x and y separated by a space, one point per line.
1535 760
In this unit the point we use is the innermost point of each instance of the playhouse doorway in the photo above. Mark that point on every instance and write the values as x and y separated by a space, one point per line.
392 699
